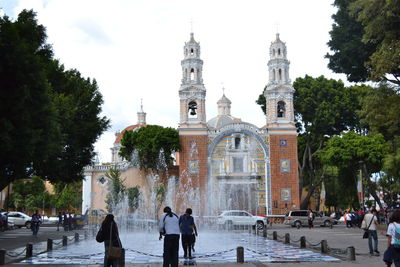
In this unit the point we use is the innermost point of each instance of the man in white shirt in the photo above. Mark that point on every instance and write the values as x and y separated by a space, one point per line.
370 223
169 227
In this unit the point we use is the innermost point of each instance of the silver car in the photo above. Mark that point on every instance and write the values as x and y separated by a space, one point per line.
20 219
298 218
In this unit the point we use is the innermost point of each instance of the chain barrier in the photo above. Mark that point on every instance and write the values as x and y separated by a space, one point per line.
295 241
57 243
14 254
71 239
197 257
313 245
75 256
143 253
337 251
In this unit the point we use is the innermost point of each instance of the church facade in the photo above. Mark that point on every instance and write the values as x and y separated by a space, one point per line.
224 163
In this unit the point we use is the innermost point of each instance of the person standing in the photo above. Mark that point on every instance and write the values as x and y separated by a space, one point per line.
392 253
110 234
188 230
60 219
169 227
369 224
311 217
65 221
35 221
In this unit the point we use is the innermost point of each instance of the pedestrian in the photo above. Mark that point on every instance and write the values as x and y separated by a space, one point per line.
189 231
348 218
110 236
2 222
392 253
70 222
169 228
65 221
60 219
35 221
311 217
369 224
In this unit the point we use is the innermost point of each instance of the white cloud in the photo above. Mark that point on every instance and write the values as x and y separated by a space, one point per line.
133 49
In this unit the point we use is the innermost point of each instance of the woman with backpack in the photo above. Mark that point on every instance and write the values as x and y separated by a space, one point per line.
392 253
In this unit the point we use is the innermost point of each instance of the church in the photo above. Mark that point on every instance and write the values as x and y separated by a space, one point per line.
224 163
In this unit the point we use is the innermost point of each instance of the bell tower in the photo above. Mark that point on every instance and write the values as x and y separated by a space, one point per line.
192 128
282 131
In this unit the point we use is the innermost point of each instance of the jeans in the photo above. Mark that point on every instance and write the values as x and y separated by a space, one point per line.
35 228
372 234
171 250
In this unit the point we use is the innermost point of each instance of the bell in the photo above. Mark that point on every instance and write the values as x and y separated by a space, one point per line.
193 112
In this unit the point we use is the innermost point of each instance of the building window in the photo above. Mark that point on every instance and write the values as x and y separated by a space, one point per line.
283 142
280 74
191 52
237 142
279 51
237 165
192 107
192 74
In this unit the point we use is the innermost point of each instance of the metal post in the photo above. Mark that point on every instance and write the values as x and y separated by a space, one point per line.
76 237
274 235
324 246
303 242
240 255
287 238
351 253
29 250
2 256
122 259
85 234
64 241
49 244
265 234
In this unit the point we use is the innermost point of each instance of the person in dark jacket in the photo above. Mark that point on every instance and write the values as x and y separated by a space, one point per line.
107 226
188 230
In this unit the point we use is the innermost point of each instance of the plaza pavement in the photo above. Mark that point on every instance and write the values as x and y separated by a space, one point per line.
338 237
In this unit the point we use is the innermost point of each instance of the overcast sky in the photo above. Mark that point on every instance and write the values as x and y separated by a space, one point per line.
133 49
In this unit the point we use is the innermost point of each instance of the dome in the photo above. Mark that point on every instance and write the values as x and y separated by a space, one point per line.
221 121
224 99
134 127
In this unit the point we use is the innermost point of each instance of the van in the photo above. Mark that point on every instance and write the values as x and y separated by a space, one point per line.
298 218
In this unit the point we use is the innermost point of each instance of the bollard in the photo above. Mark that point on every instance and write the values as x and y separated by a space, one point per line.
121 262
76 237
324 246
65 240
240 255
274 235
265 234
351 253
303 242
2 256
29 250
287 238
49 244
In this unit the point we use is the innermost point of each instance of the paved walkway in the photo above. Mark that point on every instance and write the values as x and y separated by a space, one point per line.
338 237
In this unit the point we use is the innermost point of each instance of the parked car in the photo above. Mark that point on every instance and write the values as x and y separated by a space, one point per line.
20 219
230 218
298 218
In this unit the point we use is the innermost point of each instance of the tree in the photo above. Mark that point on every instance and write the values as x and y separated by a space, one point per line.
116 189
133 197
68 196
28 131
350 150
49 117
153 144
349 52
365 40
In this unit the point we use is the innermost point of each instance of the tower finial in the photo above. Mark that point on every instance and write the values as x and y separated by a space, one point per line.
223 88
141 104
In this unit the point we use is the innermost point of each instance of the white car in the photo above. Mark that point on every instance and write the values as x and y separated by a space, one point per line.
20 219
230 218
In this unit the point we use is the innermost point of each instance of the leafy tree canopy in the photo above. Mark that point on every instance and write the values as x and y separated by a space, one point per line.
145 145
49 117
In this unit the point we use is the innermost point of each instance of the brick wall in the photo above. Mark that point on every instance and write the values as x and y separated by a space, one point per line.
284 147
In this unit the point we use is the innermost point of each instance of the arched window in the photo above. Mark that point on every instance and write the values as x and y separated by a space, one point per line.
192 107
191 52
186 74
281 108
273 75
273 52
192 74
237 142
279 51
280 74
